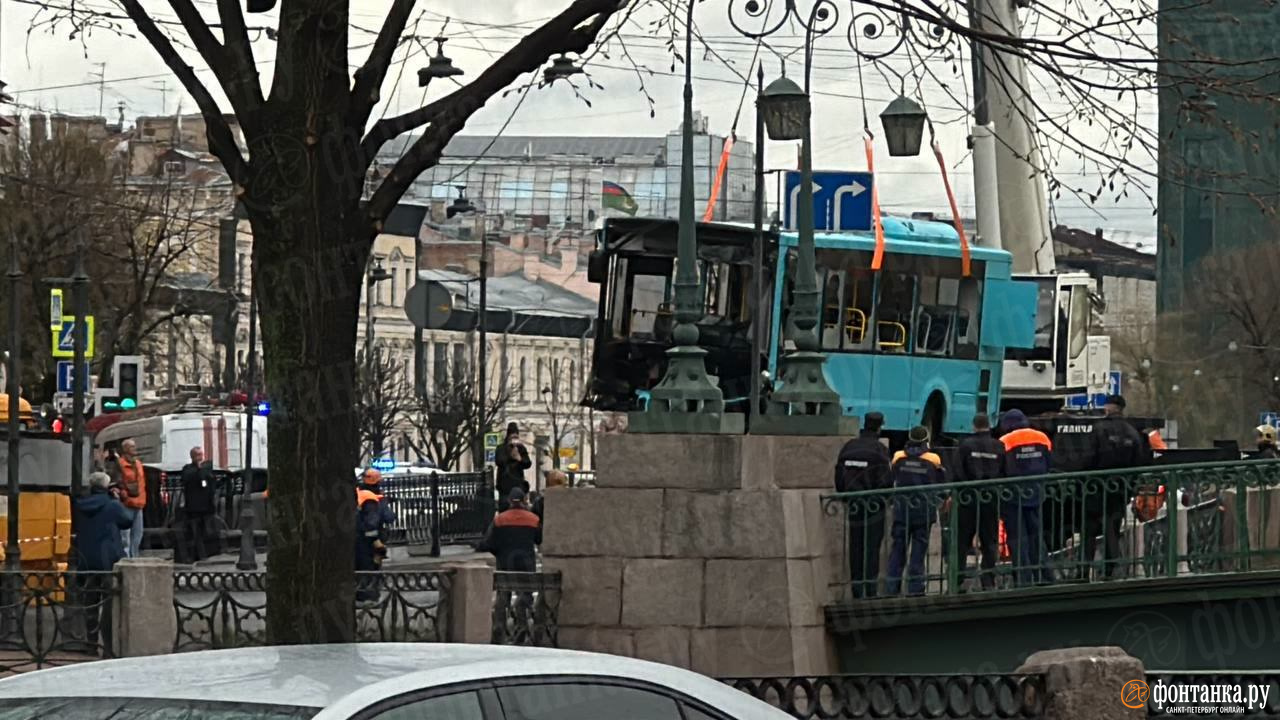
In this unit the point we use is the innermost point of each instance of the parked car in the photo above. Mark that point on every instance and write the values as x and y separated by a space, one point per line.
386 681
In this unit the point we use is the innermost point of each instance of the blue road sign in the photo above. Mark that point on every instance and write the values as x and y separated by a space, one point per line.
65 380
1269 418
491 456
841 200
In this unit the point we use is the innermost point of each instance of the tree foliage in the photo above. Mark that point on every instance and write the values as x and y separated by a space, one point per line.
384 397
140 237
451 420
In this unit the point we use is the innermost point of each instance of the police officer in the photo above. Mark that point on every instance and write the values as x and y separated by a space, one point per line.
1116 445
1028 452
863 464
979 457
1266 443
915 466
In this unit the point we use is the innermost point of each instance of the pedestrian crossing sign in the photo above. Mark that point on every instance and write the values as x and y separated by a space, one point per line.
491 440
64 337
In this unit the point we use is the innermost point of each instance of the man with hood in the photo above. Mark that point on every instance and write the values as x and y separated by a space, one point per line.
915 466
1116 445
98 520
863 464
1028 452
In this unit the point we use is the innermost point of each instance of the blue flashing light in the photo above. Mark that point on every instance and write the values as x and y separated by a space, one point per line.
264 408
384 464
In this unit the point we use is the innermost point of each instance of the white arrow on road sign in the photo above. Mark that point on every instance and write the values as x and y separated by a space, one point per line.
853 189
795 200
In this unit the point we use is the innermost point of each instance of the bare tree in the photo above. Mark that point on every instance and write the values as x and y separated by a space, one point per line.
449 421
383 398
140 237
563 406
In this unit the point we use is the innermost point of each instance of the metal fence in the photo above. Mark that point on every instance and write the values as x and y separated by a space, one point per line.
526 608
439 508
48 619
1098 526
229 609
903 697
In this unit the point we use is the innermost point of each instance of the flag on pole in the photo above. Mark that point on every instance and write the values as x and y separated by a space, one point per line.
615 197
709 215
955 211
877 260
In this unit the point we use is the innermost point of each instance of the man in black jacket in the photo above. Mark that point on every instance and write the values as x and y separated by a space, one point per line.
514 535
197 504
1116 445
979 457
512 460
97 521
863 464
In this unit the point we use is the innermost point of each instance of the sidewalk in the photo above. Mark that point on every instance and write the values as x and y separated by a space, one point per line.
399 560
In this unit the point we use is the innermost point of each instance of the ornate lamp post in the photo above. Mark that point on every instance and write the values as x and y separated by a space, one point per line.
686 400
804 403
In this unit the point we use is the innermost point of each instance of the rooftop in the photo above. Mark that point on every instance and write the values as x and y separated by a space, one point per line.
534 146
514 293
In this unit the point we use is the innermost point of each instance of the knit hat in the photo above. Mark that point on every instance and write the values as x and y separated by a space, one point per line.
918 435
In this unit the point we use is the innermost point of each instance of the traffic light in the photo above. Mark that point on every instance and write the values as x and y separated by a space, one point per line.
127 387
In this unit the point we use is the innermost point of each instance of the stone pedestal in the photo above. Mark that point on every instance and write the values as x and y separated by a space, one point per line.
709 552
469 615
145 622
1087 683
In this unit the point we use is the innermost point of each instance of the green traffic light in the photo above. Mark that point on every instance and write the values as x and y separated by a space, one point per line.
128 403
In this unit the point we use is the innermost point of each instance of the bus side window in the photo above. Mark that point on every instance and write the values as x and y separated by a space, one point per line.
969 303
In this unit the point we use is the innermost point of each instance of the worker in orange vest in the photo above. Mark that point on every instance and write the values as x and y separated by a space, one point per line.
128 476
372 518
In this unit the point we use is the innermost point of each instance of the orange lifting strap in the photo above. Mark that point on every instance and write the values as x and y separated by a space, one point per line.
708 216
878 259
955 211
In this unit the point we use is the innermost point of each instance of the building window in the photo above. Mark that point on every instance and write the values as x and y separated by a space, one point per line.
408 281
524 376
440 361
538 387
460 363
573 379
240 262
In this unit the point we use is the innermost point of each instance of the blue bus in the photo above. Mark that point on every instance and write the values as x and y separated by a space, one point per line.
917 340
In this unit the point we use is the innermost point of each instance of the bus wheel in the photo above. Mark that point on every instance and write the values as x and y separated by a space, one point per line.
935 412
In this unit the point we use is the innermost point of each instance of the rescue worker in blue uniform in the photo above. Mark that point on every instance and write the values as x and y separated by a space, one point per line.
863 464
915 466
1028 452
979 457
373 515
1116 445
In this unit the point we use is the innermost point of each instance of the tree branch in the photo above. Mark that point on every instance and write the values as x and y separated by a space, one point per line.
221 142
239 53
370 76
564 33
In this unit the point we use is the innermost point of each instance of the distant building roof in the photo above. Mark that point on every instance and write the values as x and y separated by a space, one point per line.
514 293
535 146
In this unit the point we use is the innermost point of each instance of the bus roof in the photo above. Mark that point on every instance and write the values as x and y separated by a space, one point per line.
901 235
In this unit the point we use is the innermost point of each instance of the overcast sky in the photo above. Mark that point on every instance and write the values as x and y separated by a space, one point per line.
50 72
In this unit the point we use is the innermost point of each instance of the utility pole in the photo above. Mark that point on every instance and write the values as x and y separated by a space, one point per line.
80 304
12 549
102 84
482 357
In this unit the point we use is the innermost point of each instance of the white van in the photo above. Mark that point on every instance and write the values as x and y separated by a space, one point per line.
164 442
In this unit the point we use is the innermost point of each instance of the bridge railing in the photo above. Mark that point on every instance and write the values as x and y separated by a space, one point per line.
1098 526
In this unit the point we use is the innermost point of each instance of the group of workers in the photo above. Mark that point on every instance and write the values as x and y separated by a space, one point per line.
1015 450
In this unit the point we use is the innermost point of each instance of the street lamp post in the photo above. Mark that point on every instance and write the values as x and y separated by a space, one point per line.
376 275
686 400
248 552
804 403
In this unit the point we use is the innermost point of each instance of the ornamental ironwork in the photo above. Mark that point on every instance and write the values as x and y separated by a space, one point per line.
526 608
49 619
903 697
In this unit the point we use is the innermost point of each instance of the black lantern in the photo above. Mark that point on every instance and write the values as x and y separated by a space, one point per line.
461 205
785 108
903 123
438 67
562 68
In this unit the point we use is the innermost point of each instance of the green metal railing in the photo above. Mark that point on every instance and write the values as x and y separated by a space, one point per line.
1092 526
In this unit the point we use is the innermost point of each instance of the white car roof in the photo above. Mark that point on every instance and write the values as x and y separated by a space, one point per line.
345 678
